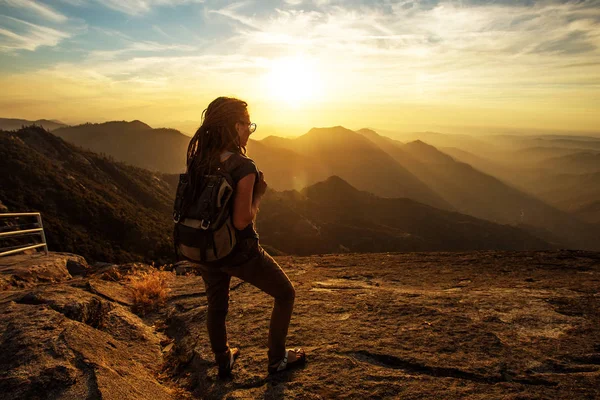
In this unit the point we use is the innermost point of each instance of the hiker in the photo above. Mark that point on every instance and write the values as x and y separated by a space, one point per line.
220 145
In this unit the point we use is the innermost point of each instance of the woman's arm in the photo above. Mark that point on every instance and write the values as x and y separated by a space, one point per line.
247 200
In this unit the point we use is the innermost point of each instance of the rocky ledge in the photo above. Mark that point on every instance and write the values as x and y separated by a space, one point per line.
511 325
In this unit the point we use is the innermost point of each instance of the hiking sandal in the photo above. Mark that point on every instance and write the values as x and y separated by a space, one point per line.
284 365
225 368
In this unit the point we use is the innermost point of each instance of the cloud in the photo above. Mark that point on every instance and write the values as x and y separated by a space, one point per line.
575 42
74 2
231 12
137 47
31 37
423 49
497 53
449 30
37 7
137 7
159 30
430 50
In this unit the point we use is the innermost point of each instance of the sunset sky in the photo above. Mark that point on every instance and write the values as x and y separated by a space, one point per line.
390 65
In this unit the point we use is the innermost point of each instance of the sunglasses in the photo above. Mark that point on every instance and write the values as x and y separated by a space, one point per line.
251 126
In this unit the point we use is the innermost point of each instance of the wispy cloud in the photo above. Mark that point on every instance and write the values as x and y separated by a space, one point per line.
74 2
422 49
39 8
426 33
231 11
137 7
137 47
30 37
480 53
158 29
574 42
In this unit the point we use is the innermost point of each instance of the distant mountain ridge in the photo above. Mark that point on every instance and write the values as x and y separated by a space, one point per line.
581 162
350 155
285 168
110 211
11 124
504 193
481 195
135 143
333 216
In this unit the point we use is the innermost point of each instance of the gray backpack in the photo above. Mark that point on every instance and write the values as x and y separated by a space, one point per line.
204 230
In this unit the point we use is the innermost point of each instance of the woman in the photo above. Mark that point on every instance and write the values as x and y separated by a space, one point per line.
221 141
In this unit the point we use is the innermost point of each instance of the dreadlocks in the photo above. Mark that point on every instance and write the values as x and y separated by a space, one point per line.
216 134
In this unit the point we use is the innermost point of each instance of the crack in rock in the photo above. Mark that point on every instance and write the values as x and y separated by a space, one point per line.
389 361
186 296
593 359
90 288
574 364
89 372
92 312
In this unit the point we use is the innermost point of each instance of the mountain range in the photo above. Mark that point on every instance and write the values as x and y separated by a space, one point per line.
354 158
90 205
138 144
473 192
111 211
333 216
419 171
11 124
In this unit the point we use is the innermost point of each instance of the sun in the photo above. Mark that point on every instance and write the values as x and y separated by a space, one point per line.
294 80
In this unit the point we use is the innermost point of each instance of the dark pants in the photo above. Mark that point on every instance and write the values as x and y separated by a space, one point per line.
253 265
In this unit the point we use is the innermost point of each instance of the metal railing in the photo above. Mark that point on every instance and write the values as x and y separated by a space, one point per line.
24 232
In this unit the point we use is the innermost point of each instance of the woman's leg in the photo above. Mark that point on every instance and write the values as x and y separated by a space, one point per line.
216 283
264 273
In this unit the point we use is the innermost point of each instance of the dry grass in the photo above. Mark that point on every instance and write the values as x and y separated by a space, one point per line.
149 289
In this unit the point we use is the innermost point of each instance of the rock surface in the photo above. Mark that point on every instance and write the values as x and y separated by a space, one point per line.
477 325
26 270
62 340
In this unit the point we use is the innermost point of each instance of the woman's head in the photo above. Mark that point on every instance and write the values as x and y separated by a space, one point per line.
225 126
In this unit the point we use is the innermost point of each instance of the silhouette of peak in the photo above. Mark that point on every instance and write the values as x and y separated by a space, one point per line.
137 124
272 137
368 132
426 152
45 121
11 124
333 137
33 130
276 141
336 182
333 187
420 143
334 130
421 147
128 125
161 149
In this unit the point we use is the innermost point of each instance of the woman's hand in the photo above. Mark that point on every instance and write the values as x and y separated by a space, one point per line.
260 187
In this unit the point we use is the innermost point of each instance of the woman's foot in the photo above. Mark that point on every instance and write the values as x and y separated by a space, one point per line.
226 361
292 359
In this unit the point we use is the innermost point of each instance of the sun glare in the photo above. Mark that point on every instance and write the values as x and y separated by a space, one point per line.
294 80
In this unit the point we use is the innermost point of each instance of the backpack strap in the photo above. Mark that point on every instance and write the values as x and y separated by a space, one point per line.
181 188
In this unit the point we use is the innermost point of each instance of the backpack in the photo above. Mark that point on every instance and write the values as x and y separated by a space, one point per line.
203 216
